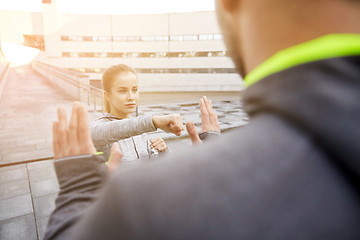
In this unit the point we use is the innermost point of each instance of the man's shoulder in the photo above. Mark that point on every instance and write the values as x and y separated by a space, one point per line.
264 173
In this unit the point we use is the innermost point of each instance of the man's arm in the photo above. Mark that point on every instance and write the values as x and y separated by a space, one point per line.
80 178
80 171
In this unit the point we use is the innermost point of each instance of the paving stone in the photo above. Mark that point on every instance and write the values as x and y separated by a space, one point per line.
174 107
20 228
45 187
41 226
15 156
14 188
41 164
43 206
15 206
13 173
43 173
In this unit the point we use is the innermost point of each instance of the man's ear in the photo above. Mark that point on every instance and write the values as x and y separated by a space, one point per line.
230 6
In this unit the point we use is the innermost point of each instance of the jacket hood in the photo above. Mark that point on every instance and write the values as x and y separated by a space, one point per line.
320 98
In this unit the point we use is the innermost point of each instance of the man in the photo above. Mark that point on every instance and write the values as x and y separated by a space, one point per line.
291 173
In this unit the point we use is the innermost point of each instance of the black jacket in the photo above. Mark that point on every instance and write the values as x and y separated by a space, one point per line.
291 173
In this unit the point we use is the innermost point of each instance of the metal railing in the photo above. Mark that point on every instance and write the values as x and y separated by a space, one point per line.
73 83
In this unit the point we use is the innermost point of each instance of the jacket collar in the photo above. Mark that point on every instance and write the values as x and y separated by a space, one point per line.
328 46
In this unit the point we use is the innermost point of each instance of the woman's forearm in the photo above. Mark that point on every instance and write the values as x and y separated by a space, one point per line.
103 133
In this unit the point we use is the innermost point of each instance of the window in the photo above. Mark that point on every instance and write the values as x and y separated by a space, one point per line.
74 54
161 38
206 37
119 39
145 54
87 38
177 38
166 70
100 54
133 39
148 38
65 38
218 37
102 39
191 37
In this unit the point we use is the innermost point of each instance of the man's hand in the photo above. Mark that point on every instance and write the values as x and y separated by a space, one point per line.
73 139
115 157
169 123
159 144
209 121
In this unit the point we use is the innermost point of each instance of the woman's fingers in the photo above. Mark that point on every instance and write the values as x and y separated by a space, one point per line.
156 141
159 144
176 124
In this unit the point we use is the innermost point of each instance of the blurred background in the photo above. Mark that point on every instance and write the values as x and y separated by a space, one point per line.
54 52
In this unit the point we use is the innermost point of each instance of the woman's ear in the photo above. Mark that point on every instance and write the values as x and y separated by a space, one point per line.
107 95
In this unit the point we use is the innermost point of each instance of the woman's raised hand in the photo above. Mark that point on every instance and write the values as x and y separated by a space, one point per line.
169 123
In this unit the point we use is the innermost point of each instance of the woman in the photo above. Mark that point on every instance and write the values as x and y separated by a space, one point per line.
120 84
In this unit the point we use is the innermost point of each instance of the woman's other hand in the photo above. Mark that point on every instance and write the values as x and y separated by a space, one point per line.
159 144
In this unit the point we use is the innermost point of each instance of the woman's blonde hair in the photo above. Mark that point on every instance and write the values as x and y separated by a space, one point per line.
108 77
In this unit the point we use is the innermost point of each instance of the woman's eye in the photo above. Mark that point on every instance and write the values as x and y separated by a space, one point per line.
135 90
122 91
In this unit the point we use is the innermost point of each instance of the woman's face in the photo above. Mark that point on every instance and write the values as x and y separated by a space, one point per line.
124 94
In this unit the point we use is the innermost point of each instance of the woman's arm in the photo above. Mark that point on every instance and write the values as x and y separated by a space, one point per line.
103 133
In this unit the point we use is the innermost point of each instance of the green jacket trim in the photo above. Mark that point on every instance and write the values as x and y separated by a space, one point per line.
328 46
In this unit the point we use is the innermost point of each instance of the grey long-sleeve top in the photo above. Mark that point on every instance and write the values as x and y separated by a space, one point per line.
129 133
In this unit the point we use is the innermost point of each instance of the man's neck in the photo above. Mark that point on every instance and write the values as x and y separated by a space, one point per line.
276 30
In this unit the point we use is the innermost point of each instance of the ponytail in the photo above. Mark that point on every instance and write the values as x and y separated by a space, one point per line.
107 105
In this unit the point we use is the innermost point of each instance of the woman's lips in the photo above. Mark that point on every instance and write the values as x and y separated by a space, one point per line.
130 105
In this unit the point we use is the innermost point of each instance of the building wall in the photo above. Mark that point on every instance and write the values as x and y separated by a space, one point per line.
14 24
110 29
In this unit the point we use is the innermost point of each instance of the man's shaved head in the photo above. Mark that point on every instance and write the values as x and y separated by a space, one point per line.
254 30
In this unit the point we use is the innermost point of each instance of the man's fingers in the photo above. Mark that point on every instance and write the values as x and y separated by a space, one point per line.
83 130
62 127
208 104
115 157
56 143
73 127
204 113
194 136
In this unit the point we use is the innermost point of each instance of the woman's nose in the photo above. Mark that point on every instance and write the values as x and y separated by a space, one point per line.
130 96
